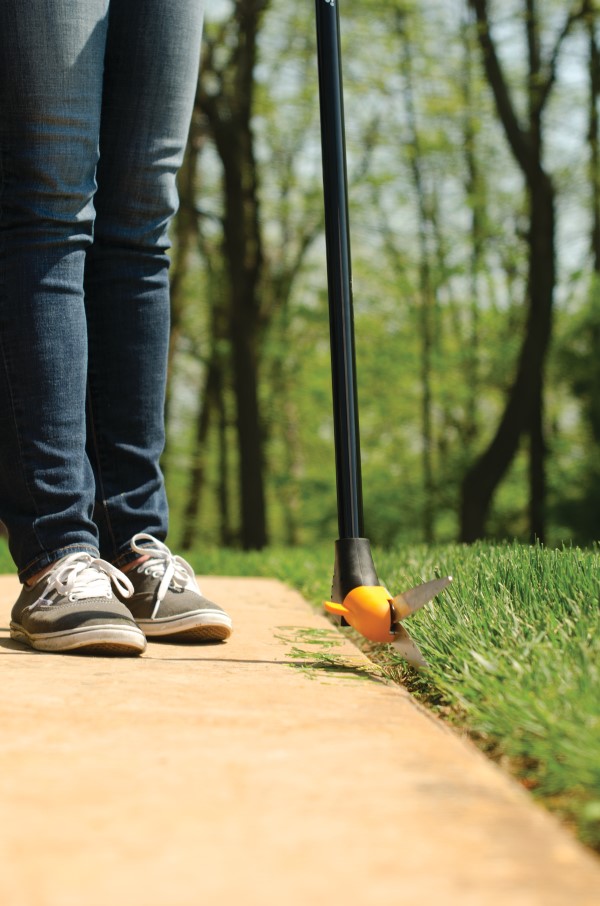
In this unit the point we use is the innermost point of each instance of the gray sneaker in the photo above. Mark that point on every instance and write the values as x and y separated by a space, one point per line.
166 602
72 608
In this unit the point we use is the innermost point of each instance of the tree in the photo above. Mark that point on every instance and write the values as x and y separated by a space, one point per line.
523 412
443 253
226 98
252 284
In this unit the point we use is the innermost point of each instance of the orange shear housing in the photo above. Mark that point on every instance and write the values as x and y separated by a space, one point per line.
369 610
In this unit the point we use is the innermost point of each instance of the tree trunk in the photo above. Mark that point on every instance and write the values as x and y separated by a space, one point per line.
524 397
249 431
226 534
537 472
523 410
230 116
243 255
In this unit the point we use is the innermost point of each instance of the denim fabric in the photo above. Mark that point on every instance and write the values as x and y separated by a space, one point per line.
95 103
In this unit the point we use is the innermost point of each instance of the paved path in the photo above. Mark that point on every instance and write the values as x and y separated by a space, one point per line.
225 775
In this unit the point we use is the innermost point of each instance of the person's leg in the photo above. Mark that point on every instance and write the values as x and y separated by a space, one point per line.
150 79
51 64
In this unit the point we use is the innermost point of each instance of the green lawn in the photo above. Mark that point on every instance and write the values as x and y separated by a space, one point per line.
513 648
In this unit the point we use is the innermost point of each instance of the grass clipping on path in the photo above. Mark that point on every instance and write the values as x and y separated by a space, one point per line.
513 648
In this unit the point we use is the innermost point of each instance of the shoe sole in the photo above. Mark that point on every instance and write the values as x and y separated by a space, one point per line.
202 626
113 640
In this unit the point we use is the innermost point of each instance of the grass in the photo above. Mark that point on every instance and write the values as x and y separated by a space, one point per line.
513 649
6 563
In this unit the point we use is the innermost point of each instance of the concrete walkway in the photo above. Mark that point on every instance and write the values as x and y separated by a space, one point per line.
223 774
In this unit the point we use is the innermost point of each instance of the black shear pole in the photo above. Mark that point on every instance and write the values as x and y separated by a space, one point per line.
357 596
339 273
353 561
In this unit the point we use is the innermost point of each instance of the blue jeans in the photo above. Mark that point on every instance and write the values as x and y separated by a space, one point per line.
95 103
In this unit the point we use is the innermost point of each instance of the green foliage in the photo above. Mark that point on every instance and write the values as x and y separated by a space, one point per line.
6 561
471 208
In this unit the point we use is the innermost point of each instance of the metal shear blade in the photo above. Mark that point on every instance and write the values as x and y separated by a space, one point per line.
412 600
405 646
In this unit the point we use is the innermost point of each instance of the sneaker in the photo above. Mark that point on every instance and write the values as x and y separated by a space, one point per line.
73 608
166 600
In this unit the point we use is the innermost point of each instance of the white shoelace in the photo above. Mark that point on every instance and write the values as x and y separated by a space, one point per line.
162 564
80 576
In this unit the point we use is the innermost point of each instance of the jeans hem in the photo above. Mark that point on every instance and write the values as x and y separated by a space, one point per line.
127 556
47 558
